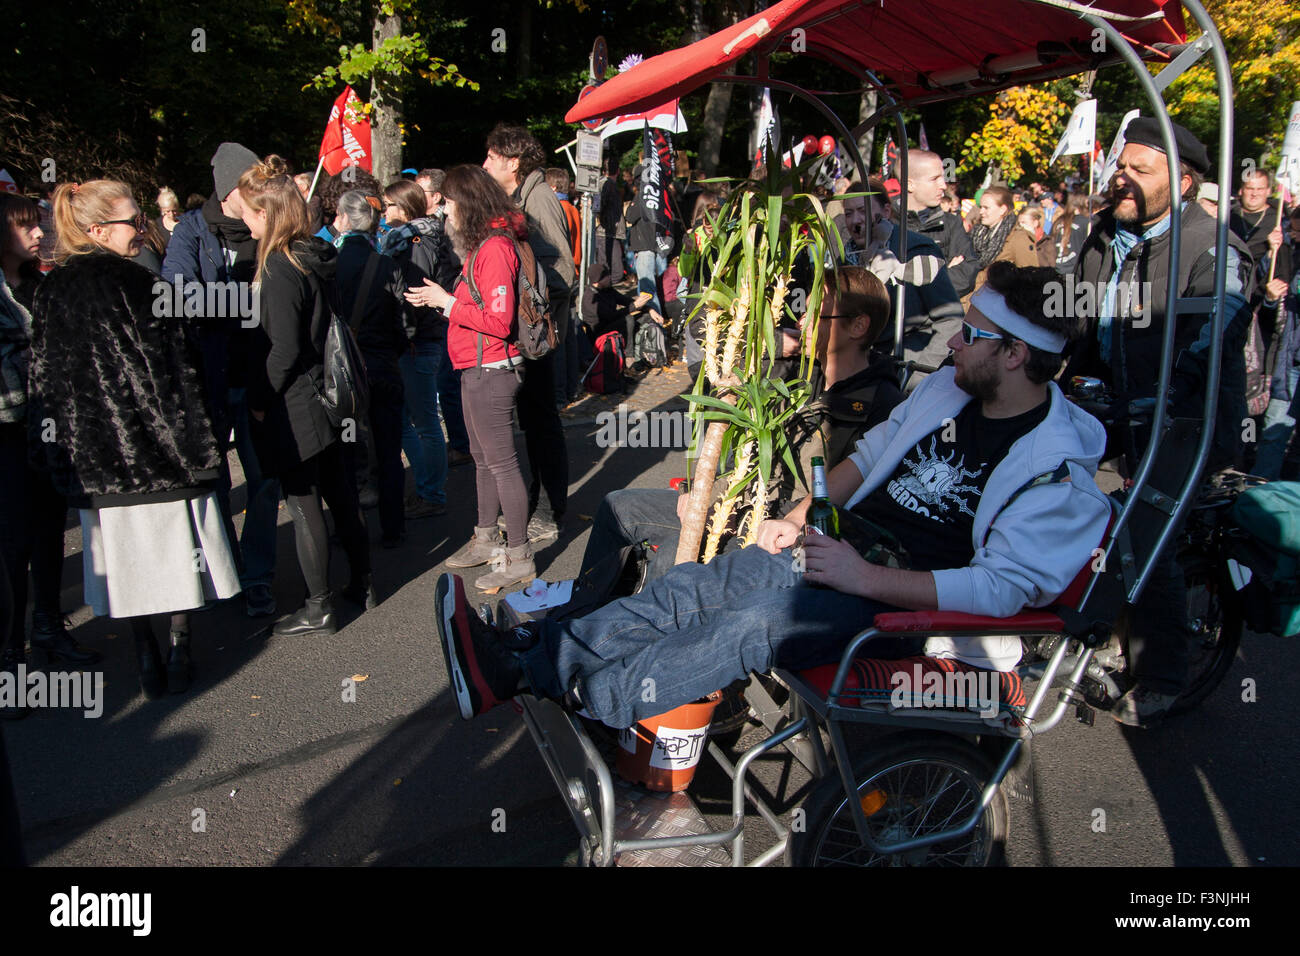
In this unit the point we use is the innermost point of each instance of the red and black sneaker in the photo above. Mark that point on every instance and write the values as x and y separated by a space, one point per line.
482 670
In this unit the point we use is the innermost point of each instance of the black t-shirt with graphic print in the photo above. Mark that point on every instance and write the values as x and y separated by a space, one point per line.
929 502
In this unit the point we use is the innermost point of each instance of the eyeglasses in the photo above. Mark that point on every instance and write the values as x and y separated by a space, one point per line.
970 335
139 222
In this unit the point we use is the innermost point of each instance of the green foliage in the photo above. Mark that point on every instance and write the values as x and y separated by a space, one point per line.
747 257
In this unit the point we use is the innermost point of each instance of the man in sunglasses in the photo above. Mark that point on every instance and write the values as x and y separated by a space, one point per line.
985 473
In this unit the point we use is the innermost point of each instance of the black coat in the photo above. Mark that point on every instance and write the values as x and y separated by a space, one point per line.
1135 355
117 407
951 236
295 311
380 333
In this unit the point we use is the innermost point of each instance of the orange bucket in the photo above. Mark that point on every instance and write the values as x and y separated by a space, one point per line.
661 752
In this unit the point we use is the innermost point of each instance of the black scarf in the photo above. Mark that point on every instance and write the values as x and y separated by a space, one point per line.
989 242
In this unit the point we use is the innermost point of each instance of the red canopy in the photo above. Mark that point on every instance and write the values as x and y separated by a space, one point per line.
924 50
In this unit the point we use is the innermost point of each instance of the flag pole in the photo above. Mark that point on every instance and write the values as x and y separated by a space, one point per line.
312 190
1272 266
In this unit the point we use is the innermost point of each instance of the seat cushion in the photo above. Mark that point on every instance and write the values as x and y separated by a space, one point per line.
1031 620
874 681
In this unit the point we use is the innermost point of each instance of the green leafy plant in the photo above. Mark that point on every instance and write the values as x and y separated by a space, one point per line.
748 254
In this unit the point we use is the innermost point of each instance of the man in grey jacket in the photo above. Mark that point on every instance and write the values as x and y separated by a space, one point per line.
985 473
515 160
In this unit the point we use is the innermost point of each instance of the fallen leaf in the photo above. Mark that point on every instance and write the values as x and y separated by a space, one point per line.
258 714
257 697
360 677
397 782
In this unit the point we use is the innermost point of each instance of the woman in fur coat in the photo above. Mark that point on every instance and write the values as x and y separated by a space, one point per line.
119 423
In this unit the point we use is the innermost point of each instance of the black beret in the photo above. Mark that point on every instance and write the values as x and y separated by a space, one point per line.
1145 131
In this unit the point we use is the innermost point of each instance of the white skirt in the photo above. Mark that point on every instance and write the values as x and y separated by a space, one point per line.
156 558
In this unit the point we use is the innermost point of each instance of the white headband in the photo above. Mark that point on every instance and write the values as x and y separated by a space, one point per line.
994 307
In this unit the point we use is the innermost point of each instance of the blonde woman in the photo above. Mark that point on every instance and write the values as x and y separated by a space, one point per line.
124 434
294 438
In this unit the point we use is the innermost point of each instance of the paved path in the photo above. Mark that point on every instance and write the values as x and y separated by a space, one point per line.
281 770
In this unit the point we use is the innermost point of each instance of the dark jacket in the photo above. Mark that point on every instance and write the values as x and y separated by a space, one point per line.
422 245
853 406
951 236
381 334
1133 370
932 302
1284 316
548 231
295 312
209 246
1254 236
1067 247
119 384
15 350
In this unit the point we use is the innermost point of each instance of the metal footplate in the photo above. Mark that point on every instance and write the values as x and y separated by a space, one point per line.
645 815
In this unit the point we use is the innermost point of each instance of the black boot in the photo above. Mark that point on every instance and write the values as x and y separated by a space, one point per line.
50 636
315 617
10 658
361 591
153 679
179 670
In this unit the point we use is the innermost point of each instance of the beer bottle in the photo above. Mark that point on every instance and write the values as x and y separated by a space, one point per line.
822 515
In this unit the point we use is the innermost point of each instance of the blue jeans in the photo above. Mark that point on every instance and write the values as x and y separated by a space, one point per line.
691 632
257 543
422 438
449 400
650 265
1279 423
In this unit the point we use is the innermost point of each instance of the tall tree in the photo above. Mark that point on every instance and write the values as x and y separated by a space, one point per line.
1024 124
1262 39
387 63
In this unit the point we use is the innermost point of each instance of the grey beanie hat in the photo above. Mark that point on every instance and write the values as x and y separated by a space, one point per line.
229 163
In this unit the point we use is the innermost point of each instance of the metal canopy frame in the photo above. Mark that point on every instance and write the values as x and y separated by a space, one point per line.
1182 57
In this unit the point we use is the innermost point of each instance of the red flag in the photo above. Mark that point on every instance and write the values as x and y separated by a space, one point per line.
347 135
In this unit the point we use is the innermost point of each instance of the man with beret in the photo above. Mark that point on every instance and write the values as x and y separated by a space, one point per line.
1125 266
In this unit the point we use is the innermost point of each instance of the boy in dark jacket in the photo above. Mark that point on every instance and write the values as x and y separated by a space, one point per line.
213 245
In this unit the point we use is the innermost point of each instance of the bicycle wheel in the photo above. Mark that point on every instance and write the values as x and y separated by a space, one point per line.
916 786
1215 618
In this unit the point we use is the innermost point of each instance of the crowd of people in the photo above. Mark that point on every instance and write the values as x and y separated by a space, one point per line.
130 415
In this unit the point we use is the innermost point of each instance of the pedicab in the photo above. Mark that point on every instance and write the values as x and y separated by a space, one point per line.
934 791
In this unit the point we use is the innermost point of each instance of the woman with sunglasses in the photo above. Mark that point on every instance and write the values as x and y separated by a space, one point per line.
118 421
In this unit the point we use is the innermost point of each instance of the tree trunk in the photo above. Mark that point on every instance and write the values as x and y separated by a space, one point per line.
524 45
386 112
866 109
697 510
716 108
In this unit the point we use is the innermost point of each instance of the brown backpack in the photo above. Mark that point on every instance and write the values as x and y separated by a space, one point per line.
534 331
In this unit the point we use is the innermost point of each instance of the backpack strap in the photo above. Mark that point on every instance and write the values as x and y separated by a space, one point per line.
1061 473
363 290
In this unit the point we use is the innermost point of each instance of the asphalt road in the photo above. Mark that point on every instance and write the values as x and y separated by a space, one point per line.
264 762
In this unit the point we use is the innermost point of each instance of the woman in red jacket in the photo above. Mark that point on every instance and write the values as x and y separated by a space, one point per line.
484 226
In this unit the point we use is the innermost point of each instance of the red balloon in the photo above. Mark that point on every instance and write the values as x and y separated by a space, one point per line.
810 145
827 144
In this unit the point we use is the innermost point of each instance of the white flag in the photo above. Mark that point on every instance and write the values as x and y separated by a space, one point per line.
1117 147
1289 167
769 128
1080 133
